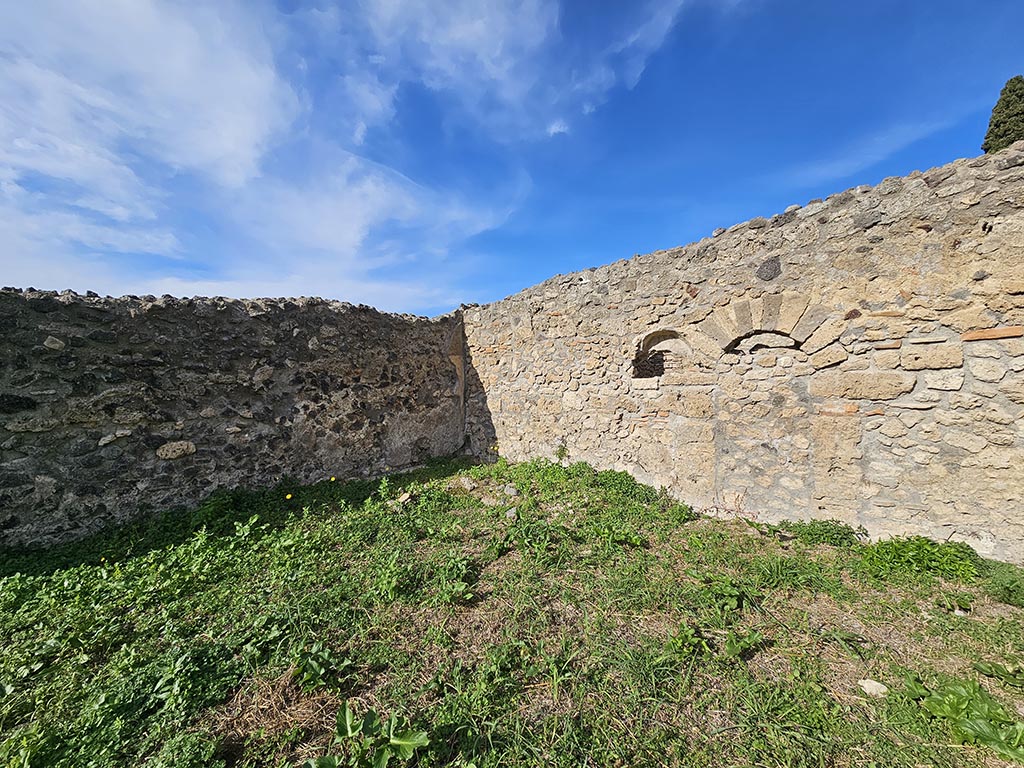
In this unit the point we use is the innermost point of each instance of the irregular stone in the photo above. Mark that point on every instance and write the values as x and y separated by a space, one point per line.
176 450
984 349
951 380
770 269
873 688
892 427
984 369
262 375
702 343
830 355
887 359
965 440
867 220
39 424
969 319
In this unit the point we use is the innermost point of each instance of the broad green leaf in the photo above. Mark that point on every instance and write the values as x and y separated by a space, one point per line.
915 688
978 731
347 726
407 742
371 724
986 668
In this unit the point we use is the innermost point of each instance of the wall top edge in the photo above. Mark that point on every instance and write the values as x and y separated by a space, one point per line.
934 180
47 300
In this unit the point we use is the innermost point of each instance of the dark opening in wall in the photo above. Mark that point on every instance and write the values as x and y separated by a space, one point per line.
758 340
649 365
656 353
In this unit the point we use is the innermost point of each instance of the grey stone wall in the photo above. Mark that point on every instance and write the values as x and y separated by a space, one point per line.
859 358
109 406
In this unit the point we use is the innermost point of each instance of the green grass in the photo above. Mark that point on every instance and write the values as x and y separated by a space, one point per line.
503 615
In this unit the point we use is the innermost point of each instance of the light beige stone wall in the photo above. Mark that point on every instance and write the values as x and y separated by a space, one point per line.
859 358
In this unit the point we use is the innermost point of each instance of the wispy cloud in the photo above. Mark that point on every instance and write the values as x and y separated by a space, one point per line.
123 123
861 154
505 64
98 109
637 47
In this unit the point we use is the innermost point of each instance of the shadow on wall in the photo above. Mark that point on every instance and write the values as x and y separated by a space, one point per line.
221 515
481 435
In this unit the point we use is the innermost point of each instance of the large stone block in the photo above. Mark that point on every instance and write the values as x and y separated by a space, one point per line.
824 335
920 357
771 304
862 385
793 307
810 321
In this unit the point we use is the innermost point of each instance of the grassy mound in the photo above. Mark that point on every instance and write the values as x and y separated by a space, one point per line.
504 615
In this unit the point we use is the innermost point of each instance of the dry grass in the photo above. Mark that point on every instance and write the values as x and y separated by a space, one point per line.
275 709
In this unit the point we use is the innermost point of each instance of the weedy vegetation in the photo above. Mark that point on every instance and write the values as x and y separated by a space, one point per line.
503 615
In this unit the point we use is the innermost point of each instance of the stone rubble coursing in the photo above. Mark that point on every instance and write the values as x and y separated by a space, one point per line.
897 303
145 402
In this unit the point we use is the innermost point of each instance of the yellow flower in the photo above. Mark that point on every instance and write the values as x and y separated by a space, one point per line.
287 495
332 478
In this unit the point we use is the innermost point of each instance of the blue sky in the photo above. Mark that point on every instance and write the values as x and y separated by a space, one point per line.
417 154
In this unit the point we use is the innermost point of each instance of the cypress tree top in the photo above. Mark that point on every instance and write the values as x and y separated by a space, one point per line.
1007 123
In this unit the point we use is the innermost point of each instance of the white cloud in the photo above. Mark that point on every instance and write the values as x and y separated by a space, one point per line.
191 85
645 39
861 154
369 100
504 63
357 223
557 127
102 100
122 122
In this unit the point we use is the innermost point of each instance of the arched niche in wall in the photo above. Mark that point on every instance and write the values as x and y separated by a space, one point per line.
659 352
790 320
